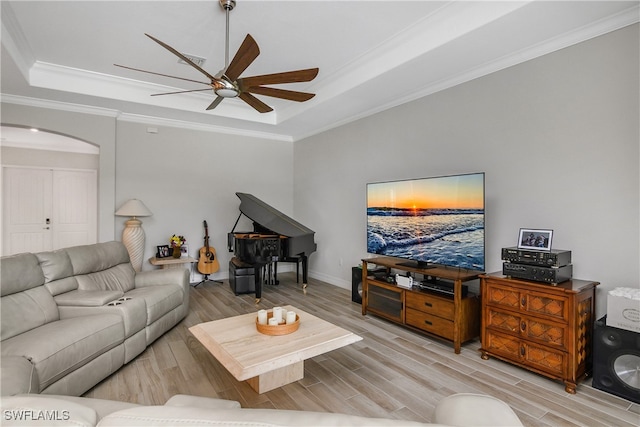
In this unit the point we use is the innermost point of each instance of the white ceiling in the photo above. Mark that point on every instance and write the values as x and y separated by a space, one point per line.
372 55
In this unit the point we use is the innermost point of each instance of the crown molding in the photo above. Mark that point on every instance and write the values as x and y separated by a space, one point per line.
57 105
138 118
183 124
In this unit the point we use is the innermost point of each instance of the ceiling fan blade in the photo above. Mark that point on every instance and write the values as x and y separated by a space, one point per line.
215 103
163 75
255 102
180 91
247 53
278 78
181 56
281 93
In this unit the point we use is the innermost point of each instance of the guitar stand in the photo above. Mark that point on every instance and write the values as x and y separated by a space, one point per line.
206 279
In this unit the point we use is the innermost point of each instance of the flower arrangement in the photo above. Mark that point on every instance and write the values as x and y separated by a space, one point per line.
177 241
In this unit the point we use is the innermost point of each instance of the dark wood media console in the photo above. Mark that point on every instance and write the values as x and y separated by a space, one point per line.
454 318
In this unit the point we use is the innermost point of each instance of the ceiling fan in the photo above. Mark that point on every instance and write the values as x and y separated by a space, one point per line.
227 82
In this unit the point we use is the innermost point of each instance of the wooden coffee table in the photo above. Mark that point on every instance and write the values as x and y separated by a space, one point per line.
267 362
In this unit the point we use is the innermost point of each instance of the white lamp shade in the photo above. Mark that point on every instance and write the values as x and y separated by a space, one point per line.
134 208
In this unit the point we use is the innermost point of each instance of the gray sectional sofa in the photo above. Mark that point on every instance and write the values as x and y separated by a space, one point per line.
72 317
462 410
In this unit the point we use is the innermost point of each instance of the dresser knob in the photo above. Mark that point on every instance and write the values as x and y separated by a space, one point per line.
523 326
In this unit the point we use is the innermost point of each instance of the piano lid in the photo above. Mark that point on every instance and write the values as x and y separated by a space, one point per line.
268 217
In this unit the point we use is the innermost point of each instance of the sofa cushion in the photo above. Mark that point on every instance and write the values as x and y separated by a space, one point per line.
159 299
24 311
18 375
55 265
60 347
117 278
19 273
58 271
97 257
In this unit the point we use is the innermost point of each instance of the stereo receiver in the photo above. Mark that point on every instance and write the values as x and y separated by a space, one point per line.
552 275
552 258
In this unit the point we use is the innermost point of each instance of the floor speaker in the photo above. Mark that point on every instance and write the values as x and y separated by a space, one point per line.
356 284
616 361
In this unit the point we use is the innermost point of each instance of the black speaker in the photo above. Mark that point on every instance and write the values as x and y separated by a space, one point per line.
356 284
616 361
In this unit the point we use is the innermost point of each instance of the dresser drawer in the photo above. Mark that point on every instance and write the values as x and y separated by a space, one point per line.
431 304
430 323
530 302
542 358
530 328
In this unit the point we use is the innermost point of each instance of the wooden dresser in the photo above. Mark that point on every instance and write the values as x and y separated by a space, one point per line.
540 327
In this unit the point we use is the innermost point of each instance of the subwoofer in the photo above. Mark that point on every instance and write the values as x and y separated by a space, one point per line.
356 284
616 361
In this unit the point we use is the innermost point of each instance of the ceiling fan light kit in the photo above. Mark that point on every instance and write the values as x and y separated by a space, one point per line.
227 82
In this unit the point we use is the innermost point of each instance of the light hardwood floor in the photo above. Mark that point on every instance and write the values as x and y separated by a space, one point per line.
391 373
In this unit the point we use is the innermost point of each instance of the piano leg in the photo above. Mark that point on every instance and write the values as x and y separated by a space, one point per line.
304 271
258 278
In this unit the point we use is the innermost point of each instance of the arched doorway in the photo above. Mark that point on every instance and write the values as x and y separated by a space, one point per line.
49 190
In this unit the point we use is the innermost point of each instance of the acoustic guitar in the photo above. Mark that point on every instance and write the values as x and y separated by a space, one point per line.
208 262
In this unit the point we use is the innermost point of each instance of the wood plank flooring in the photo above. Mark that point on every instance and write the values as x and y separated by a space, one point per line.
391 373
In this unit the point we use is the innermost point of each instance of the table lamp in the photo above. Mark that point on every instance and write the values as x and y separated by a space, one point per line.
133 234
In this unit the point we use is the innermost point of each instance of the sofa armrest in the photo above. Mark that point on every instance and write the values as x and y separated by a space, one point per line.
80 298
17 376
171 276
189 416
470 409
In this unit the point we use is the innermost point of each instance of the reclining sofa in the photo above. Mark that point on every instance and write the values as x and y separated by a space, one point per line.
462 410
72 317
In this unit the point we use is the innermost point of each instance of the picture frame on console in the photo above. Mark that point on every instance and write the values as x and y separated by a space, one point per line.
162 251
536 239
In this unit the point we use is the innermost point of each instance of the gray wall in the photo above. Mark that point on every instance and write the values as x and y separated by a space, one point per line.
187 176
557 137
183 176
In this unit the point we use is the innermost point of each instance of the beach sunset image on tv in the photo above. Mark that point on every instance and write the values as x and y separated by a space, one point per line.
436 220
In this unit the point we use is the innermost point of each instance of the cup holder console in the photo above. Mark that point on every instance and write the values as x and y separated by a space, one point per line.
118 301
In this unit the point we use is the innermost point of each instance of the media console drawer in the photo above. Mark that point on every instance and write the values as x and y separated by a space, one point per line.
540 358
431 304
430 323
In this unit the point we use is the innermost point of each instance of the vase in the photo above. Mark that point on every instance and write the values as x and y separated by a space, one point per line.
176 252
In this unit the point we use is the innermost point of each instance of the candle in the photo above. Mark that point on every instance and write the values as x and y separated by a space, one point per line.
273 321
262 317
277 314
291 317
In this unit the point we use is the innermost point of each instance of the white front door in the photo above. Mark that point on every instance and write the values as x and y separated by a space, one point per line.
47 209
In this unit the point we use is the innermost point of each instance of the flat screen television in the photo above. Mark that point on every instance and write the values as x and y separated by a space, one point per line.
429 221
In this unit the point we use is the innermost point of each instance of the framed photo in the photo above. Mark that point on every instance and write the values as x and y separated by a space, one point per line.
162 251
184 251
535 239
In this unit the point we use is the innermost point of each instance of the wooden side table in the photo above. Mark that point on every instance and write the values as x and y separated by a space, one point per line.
170 262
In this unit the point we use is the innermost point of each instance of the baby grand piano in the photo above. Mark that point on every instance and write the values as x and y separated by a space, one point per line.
275 237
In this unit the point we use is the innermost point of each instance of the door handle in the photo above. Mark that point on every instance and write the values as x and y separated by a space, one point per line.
46 228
